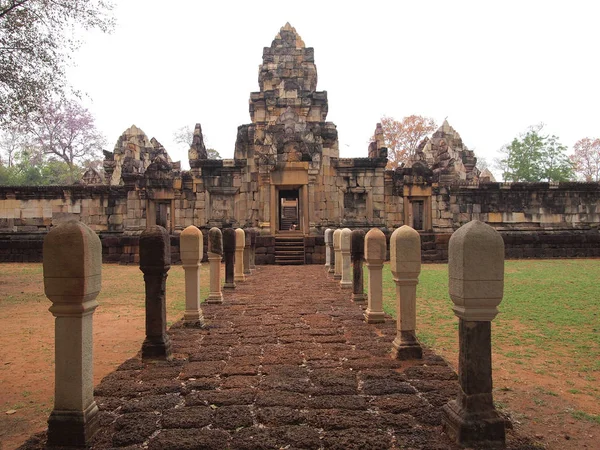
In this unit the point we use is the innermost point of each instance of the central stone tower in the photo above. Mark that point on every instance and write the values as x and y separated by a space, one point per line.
289 145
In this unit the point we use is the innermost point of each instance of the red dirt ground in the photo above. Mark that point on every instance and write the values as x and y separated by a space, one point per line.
26 367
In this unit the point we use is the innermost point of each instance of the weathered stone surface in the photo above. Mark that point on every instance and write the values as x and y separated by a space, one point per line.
229 244
191 254
476 279
155 262
357 252
345 238
72 281
405 264
375 253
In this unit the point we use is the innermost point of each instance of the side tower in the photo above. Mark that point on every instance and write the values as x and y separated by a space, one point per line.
289 145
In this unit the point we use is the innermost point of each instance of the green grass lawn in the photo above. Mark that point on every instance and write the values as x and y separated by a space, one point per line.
549 319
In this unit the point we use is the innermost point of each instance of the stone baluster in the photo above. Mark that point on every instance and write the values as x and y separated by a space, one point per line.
191 245
345 238
253 235
155 262
405 263
240 242
229 256
357 253
72 280
337 235
215 254
331 249
375 250
247 250
476 283
328 236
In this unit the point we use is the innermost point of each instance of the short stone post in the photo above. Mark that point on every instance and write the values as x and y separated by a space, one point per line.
375 250
215 254
155 262
337 235
72 281
328 237
229 256
253 235
345 237
247 250
357 253
476 283
191 244
331 269
240 242
405 262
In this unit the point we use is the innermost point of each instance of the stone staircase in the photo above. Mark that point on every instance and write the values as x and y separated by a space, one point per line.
289 217
289 249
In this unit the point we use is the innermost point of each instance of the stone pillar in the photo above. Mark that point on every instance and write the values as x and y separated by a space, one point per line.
357 253
375 250
328 241
191 244
155 262
476 283
331 250
345 237
247 250
405 263
215 254
72 281
337 235
229 256
240 242
253 234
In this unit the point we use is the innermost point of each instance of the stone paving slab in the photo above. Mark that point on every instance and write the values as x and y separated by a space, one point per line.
286 362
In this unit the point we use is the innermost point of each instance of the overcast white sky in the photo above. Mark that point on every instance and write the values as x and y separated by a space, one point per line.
491 68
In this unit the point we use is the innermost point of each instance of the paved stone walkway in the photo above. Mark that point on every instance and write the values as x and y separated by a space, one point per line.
285 362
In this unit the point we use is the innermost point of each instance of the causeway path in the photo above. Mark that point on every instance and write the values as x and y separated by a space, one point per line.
286 361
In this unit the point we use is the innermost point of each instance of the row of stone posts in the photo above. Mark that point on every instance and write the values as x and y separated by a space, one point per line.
72 266
235 246
476 280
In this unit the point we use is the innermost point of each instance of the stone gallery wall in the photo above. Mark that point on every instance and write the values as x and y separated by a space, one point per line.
517 206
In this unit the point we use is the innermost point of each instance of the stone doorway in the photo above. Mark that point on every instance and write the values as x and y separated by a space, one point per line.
289 210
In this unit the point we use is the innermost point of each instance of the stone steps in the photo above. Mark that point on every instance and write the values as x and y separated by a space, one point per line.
289 250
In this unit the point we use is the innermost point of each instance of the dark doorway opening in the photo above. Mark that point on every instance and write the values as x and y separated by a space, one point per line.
418 211
289 210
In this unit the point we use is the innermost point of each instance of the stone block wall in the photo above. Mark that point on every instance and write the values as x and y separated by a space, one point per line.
517 206
31 209
265 250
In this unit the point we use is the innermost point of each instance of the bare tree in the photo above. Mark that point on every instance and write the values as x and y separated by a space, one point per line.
185 136
36 41
13 138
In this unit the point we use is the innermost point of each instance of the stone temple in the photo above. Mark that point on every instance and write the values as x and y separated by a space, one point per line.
287 180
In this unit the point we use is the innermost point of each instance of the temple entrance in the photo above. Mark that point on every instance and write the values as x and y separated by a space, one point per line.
289 210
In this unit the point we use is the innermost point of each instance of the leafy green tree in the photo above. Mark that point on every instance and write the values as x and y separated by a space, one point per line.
37 39
32 168
536 157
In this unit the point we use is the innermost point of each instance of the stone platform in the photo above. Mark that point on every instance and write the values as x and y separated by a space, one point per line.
286 361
